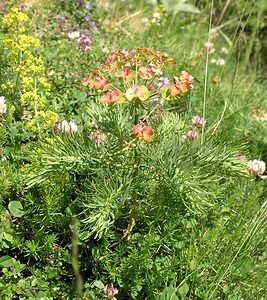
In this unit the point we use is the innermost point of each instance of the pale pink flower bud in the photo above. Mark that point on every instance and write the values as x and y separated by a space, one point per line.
111 291
210 47
198 121
192 135
256 167
65 126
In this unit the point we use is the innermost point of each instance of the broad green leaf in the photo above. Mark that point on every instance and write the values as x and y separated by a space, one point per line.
8 237
169 293
6 261
16 208
183 289
79 95
99 284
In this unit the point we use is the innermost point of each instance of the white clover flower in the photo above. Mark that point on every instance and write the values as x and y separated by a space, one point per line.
66 126
74 35
73 127
213 32
256 167
2 105
220 62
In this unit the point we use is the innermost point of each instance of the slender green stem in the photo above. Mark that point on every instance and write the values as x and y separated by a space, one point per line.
206 75
74 259
136 164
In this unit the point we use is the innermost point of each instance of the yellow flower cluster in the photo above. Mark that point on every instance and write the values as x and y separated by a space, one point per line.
14 19
27 71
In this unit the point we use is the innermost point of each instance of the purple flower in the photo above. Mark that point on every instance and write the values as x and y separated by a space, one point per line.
87 19
86 5
93 26
84 41
162 81
126 53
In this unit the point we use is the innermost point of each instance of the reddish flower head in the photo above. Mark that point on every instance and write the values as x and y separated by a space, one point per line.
145 132
86 81
192 135
181 87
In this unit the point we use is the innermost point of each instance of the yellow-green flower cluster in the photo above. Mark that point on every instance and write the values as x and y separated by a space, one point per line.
27 71
41 120
14 19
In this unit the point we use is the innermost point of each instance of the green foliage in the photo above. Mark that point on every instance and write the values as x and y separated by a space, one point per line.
159 218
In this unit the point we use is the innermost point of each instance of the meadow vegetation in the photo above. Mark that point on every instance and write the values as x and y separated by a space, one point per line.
132 150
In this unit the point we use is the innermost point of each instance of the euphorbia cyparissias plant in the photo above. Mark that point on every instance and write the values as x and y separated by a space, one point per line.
132 77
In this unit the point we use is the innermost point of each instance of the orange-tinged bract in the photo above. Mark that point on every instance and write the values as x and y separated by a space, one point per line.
112 97
145 132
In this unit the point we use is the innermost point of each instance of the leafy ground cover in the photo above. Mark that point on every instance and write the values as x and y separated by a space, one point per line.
133 141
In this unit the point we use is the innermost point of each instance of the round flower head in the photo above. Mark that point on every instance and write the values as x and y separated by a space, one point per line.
110 291
256 167
65 126
192 135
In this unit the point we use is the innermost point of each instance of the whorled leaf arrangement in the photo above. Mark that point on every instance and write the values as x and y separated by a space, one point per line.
126 170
